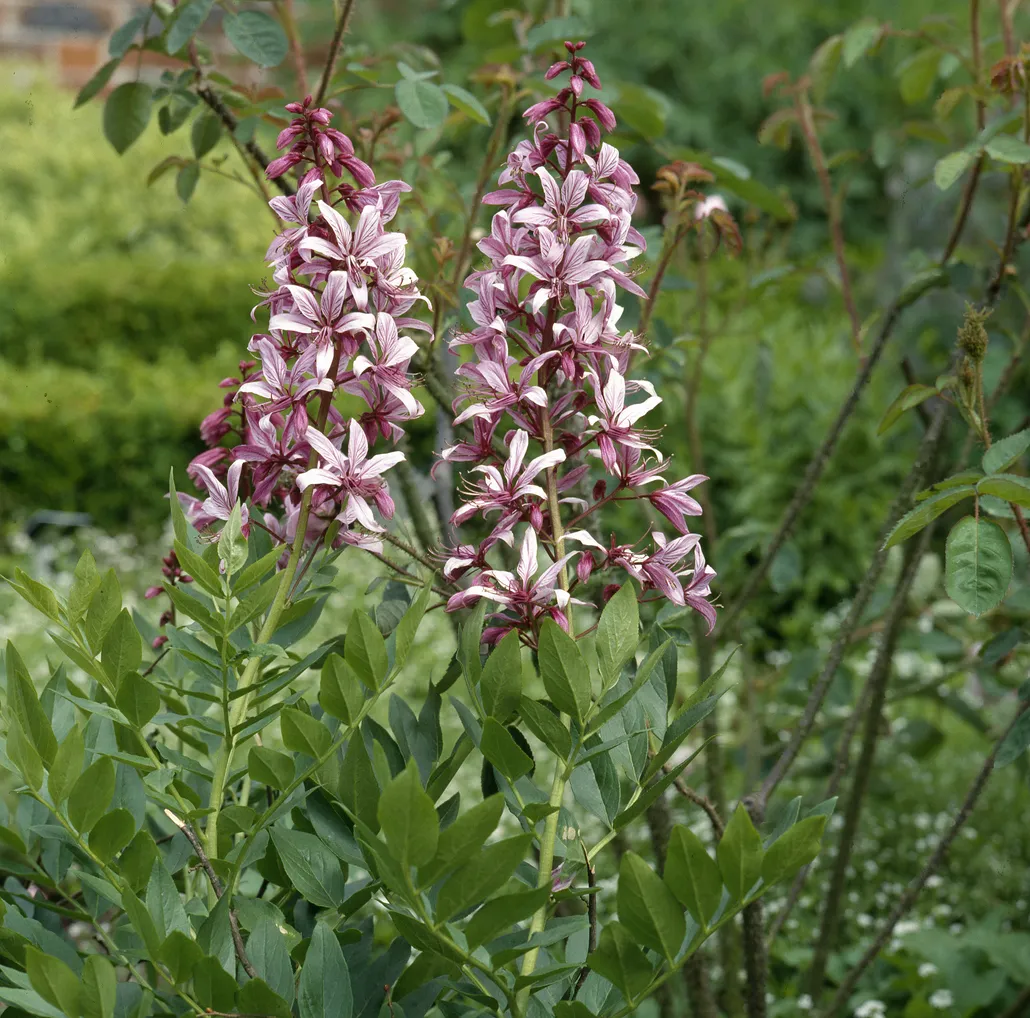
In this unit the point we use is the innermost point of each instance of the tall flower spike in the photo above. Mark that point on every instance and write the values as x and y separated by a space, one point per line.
547 358
337 315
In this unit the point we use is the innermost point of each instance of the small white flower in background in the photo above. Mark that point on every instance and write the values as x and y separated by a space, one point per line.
864 921
941 999
927 969
955 929
934 881
804 1002
871 1009
905 927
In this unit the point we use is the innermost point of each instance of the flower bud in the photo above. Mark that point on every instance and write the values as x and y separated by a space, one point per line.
972 336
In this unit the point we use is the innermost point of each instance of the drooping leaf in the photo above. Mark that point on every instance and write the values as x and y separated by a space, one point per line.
126 114
97 83
99 987
502 913
266 948
67 765
258 36
909 397
23 705
467 103
340 693
1010 487
270 767
423 104
54 982
164 903
359 787
948 169
978 564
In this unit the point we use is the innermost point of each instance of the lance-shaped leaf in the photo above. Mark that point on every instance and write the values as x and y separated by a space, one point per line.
1010 487
54 982
692 875
909 397
501 749
340 693
501 683
740 855
926 512
796 847
1006 451
563 670
314 870
463 839
646 908
304 734
618 632
365 650
325 989
619 960
91 794
99 987
24 707
407 818
485 873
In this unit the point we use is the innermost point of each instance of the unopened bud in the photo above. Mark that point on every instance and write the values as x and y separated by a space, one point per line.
972 336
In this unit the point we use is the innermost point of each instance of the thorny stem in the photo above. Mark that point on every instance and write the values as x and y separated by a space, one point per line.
815 152
915 479
934 862
334 50
878 681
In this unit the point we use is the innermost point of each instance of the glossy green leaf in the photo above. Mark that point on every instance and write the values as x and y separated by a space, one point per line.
359 787
909 397
646 908
740 855
111 833
24 707
22 753
796 847
213 987
340 693
404 634
407 818
97 83
977 565
563 670
1007 148
304 734
946 171
270 767
103 610
123 648
692 875
502 913
484 874
1010 487
546 726
85 584
1006 451
187 18
164 903
463 839
926 512
180 955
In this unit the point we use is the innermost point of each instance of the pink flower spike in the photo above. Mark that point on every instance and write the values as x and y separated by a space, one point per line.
675 504
222 498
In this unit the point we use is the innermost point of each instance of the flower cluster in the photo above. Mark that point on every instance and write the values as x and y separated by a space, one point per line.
547 354
341 298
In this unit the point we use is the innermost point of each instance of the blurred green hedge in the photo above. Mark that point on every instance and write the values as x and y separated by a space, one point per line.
120 309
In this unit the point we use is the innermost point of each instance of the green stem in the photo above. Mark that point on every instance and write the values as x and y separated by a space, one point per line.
550 833
238 710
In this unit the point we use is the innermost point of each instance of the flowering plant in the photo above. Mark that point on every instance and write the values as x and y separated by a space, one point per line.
248 825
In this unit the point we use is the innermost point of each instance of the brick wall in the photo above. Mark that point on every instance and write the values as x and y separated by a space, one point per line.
70 37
